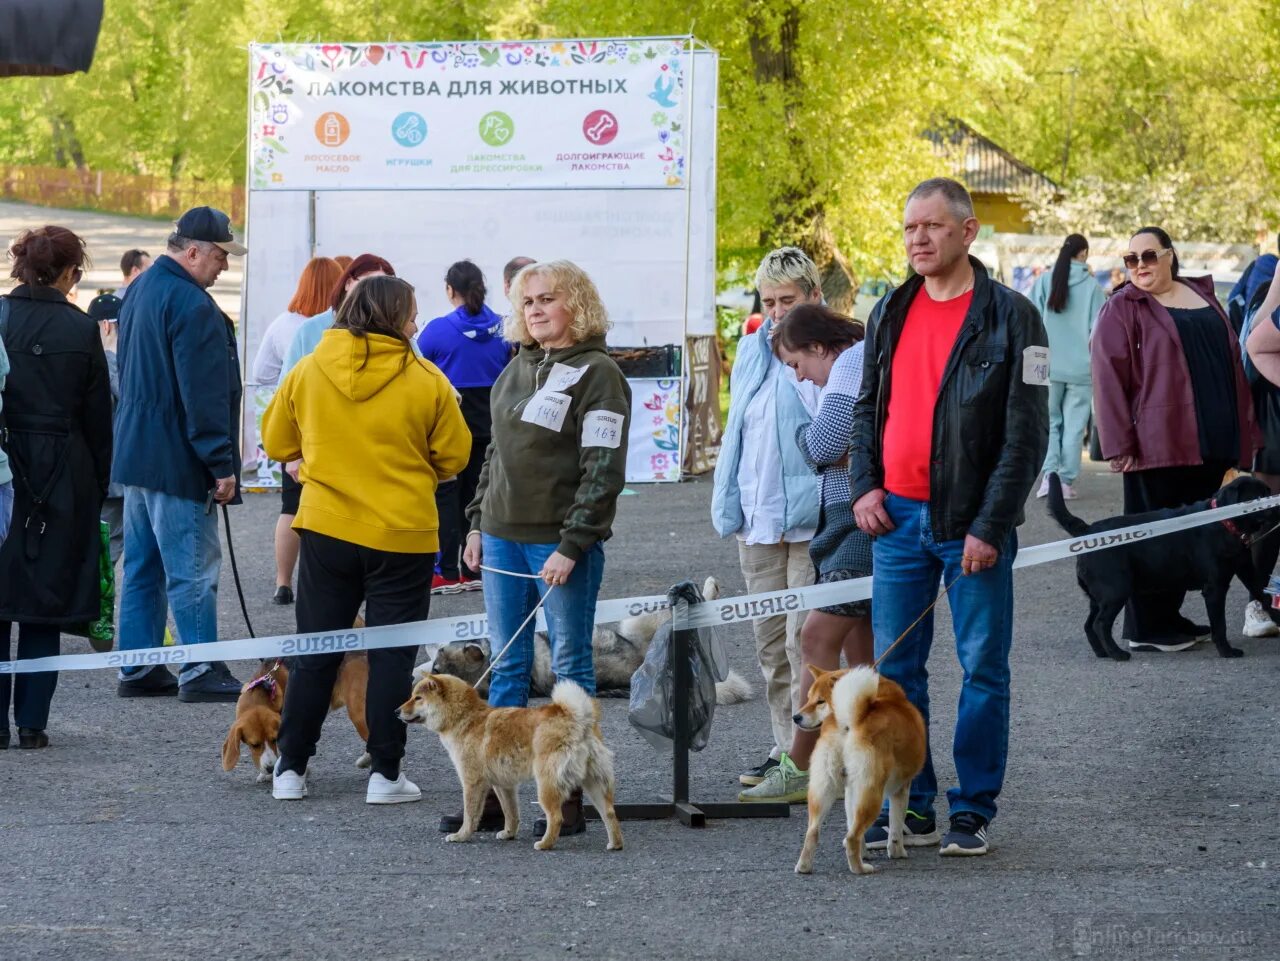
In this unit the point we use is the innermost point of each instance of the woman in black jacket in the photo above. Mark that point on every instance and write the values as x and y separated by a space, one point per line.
57 418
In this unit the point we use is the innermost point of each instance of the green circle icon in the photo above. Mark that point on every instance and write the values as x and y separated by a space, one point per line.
496 128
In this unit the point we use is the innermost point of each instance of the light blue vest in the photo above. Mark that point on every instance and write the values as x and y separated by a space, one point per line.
799 483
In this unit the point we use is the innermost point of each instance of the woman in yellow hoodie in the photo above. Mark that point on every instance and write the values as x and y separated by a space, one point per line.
376 428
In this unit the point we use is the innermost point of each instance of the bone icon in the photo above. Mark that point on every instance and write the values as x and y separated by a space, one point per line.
596 132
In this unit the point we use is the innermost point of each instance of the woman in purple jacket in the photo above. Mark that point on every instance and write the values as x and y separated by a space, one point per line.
467 346
1174 414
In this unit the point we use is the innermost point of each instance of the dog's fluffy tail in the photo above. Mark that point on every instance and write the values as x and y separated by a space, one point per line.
853 694
1058 510
734 689
580 705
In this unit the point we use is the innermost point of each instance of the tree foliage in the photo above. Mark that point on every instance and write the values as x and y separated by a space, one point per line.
1168 103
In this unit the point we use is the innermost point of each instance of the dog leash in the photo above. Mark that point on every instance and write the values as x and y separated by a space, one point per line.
532 614
934 603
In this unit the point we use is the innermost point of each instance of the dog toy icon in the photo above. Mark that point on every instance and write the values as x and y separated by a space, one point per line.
410 132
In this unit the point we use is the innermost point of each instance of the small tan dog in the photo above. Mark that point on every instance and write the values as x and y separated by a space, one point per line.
558 746
872 744
261 701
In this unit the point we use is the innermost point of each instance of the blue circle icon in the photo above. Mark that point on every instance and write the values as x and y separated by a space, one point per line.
409 129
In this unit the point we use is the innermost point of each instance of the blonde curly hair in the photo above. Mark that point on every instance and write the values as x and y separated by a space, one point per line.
582 300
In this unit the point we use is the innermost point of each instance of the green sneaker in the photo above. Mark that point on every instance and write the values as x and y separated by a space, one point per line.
782 784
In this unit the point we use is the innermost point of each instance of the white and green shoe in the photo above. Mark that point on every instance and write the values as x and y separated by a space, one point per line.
784 784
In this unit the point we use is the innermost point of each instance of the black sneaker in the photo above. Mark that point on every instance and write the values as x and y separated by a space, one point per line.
967 837
919 832
216 685
283 595
157 682
757 774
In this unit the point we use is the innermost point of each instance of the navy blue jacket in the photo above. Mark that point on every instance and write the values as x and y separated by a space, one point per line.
177 423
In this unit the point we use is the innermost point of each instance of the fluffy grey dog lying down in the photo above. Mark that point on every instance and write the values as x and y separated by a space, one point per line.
616 654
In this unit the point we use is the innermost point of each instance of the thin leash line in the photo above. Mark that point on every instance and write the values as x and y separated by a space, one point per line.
942 593
499 570
493 661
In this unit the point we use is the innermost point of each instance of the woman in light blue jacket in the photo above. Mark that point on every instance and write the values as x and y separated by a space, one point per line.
764 491
1068 299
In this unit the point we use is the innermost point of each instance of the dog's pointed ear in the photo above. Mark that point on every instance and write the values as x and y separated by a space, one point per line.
231 748
817 672
475 652
428 682
710 589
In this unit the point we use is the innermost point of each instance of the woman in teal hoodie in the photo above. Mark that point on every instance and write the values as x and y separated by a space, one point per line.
1068 299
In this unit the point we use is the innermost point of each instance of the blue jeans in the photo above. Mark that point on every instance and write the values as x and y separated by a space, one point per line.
570 612
171 553
907 566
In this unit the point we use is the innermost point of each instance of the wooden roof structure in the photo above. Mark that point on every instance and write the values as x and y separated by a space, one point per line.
983 165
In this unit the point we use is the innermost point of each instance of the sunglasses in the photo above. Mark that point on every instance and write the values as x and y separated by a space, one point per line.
1148 258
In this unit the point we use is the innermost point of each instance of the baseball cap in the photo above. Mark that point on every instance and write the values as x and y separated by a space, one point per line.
211 226
104 307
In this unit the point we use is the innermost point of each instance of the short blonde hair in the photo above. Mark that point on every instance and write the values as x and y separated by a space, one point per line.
590 319
788 265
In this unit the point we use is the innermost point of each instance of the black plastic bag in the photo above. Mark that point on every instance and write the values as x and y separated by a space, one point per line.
652 710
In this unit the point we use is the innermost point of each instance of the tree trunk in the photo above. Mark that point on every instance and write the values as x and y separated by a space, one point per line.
798 220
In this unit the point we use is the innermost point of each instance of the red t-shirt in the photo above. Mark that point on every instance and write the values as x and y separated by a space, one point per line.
920 357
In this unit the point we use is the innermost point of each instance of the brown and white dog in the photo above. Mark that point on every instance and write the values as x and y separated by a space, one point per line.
872 743
558 746
261 701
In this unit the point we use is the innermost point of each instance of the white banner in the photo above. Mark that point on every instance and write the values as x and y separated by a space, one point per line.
563 113
653 435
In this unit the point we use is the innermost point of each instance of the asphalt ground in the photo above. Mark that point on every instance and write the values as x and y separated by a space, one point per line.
1138 818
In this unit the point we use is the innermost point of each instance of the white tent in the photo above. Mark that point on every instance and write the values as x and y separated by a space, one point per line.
598 151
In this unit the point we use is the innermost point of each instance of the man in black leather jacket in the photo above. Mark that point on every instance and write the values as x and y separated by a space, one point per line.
949 434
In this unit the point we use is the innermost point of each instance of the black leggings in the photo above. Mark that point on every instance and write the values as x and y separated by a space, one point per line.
1154 613
334 577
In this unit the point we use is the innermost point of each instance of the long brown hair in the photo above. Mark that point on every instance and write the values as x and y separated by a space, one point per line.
364 264
378 305
807 325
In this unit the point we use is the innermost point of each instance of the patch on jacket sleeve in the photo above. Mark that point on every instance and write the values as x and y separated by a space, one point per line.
1035 366
602 428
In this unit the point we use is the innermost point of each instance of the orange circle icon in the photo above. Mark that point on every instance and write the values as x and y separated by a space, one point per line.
332 129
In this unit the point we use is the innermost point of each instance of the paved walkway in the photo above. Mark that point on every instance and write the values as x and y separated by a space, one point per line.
108 236
1139 817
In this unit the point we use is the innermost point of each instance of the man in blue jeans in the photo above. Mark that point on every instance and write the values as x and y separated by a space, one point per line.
949 433
177 454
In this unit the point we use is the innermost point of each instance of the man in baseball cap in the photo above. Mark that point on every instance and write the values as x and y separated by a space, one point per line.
177 452
212 226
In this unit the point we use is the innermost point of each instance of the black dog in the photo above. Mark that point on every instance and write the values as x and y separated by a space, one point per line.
1203 558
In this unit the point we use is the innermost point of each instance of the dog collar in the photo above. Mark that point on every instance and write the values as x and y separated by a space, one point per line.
1231 528
266 680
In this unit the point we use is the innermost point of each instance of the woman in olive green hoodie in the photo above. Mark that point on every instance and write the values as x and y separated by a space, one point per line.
551 478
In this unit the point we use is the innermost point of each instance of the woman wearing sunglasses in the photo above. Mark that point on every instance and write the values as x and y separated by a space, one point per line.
1174 410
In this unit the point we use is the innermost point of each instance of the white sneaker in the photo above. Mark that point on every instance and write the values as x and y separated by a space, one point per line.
399 791
288 785
1044 487
1258 623
1069 492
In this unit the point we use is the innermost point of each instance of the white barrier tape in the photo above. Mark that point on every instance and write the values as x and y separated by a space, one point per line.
751 607
436 632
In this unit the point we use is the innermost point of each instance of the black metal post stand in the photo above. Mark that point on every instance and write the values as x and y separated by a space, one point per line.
691 814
